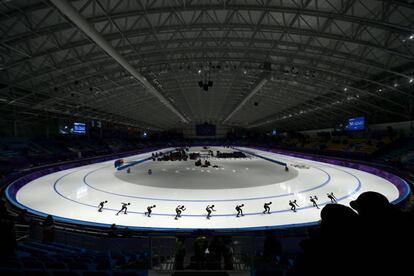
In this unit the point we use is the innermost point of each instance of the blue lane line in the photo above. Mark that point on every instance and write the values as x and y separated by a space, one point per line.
203 215
207 200
12 198
67 220
402 193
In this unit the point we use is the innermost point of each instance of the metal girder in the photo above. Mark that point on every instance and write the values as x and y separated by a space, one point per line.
307 96
349 43
345 76
333 83
315 68
278 117
284 53
268 8
321 56
75 108
178 27
327 85
263 28
88 113
254 90
80 22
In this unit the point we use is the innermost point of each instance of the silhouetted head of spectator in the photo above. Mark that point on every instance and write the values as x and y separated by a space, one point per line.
371 204
337 217
49 221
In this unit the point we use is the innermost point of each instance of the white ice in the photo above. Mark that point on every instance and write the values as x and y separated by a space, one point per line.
75 193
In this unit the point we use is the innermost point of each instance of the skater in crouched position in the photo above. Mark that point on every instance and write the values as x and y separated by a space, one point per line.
178 211
101 205
209 209
313 200
124 208
239 210
267 208
149 210
332 197
293 205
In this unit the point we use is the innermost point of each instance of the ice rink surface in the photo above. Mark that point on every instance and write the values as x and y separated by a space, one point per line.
74 194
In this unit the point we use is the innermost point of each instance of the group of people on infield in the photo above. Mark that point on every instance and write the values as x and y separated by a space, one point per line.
210 208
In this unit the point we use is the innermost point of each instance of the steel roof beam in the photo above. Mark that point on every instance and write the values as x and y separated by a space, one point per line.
73 15
272 9
253 92
248 27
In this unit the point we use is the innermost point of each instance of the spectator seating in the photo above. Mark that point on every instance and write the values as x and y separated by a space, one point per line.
36 258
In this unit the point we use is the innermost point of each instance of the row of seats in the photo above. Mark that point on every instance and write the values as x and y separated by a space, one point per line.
36 258
21 153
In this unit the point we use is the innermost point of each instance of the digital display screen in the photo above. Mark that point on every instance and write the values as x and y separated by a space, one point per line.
79 128
72 128
357 123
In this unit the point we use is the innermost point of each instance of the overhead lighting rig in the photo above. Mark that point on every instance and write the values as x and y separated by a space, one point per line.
205 81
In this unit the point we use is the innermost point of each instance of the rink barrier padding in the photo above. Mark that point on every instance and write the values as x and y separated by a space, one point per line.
255 228
14 186
402 185
133 163
265 158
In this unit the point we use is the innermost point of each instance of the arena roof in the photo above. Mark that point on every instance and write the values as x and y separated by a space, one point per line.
272 63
